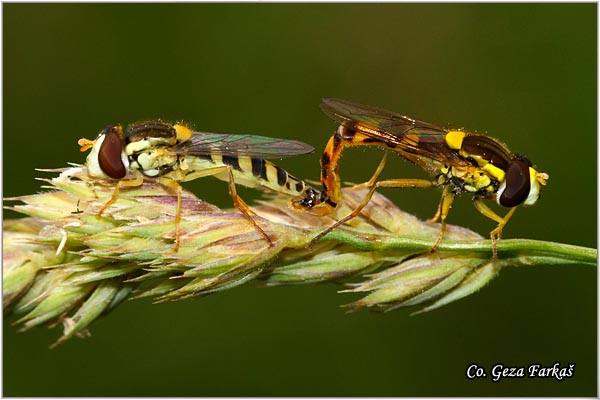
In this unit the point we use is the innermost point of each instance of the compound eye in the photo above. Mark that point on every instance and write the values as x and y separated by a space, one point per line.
517 183
109 156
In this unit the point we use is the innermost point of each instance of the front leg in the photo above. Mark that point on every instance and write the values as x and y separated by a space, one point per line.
136 181
496 233
443 210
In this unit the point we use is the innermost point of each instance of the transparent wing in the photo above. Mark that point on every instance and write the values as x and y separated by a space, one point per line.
385 123
404 133
205 143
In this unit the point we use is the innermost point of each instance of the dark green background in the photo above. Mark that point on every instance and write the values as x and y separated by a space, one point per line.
523 73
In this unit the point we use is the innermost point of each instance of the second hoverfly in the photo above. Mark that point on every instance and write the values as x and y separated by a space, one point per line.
172 153
459 161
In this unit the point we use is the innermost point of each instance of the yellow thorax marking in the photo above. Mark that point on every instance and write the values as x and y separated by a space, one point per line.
454 139
486 166
494 171
183 133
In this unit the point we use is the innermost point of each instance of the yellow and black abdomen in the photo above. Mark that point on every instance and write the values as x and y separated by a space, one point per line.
250 172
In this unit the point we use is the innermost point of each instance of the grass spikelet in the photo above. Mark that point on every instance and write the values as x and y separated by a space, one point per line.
64 264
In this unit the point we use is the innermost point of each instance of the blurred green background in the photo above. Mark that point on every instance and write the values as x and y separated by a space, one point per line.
524 73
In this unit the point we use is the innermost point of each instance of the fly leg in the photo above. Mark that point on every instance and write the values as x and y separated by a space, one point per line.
170 183
396 183
354 212
371 182
443 210
237 200
173 184
243 207
495 234
437 215
372 185
125 183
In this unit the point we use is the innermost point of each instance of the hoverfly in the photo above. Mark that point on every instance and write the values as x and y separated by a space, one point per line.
172 153
459 161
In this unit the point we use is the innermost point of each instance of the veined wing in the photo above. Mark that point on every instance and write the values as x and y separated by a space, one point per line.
389 125
405 133
205 143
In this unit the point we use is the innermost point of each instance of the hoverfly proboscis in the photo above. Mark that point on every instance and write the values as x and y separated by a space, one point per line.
172 153
459 161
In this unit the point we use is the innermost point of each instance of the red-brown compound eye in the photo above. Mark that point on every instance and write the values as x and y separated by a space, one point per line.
109 156
517 184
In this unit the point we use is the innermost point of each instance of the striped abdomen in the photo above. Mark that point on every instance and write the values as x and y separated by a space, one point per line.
253 172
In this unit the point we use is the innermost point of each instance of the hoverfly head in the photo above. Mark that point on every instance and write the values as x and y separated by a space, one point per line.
522 184
107 158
